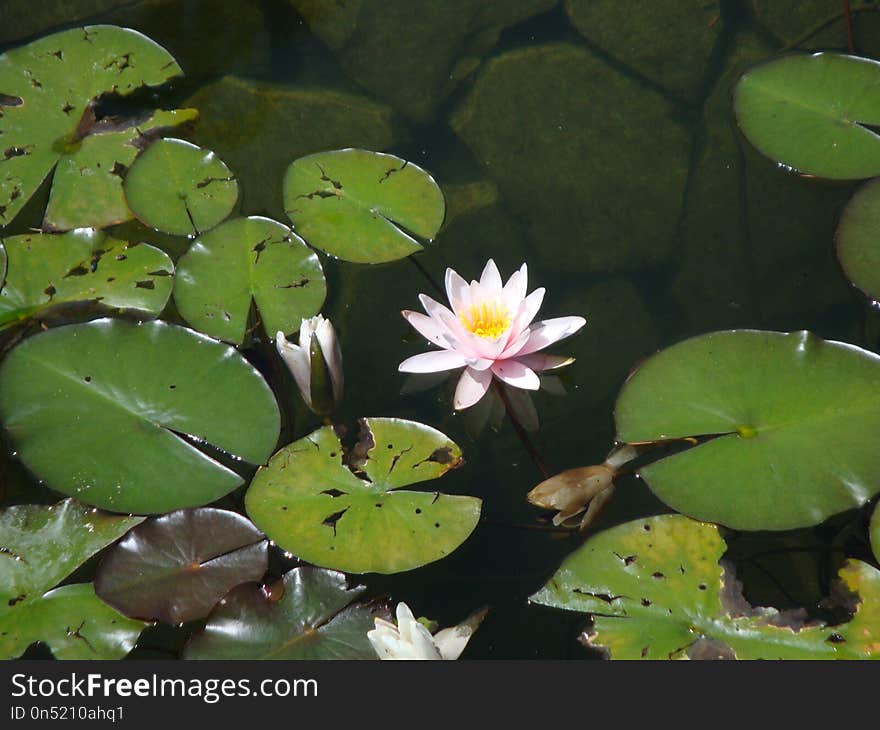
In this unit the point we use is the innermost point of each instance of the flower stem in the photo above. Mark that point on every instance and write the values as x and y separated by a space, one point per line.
521 432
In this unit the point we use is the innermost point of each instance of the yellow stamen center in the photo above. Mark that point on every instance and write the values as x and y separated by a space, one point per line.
487 319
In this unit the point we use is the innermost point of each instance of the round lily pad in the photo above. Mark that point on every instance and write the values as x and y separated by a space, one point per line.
345 510
243 260
175 568
655 590
816 113
176 187
785 423
858 239
362 206
127 416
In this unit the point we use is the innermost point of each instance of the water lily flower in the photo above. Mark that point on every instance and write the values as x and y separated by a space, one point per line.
489 331
584 490
315 363
410 639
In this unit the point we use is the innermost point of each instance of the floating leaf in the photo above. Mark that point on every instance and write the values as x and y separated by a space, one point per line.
362 206
858 246
311 499
875 532
176 567
47 270
179 188
655 590
792 419
39 547
87 185
248 259
46 88
100 411
814 113
308 614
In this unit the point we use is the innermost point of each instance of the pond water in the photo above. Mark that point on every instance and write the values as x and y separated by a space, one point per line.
594 141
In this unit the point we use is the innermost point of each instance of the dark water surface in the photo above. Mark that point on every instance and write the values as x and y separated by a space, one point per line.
597 145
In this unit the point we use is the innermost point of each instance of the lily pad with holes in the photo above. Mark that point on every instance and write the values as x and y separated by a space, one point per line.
786 424
46 88
243 260
345 509
655 590
39 547
362 206
814 113
308 614
857 239
175 568
48 270
130 417
176 187
87 185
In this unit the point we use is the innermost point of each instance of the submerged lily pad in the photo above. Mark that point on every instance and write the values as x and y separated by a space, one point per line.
787 423
308 614
87 185
814 113
39 547
656 590
47 270
142 397
362 206
346 511
176 187
176 567
857 239
243 260
45 91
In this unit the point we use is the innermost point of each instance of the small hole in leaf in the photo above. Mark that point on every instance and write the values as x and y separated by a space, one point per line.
646 528
418 511
702 586
88 378
646 602
658 575
436 524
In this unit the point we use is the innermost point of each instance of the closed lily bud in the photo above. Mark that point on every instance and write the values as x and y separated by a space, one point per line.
315 363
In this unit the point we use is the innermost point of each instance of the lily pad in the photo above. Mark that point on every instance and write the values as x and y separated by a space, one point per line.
143 397
243 260
362 206
875 532
816 114
176 187
786 424
656 590
45 92
87 185
175 568
344 509
858 243
308 614
47 270
39 547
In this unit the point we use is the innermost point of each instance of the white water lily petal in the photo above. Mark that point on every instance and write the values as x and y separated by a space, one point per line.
458 291
428 327
297 360
490 279
432 362
539 362
549 331
516 374
472 386
516 287
332 353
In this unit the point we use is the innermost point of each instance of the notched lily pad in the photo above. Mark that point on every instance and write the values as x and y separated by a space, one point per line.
46 89
344 509
243 260
176 187
656 590
308 614
39 547
362 206
175 568
48 270
144 397
786 424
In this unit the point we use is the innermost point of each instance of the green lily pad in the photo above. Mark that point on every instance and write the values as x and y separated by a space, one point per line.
175 568
362 206
793 419
130 393
308 614
655 590
247 259
858 245
875 532
47 270
814 113
309 502
39 547
176 187
45 92
87 185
